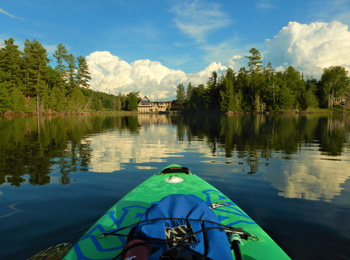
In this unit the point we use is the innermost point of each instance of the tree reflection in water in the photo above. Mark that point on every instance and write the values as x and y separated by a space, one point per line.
34 148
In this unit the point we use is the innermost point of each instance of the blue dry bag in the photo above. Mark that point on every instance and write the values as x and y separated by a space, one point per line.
174 220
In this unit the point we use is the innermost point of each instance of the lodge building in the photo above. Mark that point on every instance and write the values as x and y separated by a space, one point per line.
146 106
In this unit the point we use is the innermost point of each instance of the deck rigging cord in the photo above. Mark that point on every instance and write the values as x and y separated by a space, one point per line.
236 235
243 234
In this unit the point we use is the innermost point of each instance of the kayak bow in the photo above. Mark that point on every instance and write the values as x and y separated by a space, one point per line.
175 214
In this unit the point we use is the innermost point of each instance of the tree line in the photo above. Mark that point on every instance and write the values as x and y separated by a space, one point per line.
28 84
259 89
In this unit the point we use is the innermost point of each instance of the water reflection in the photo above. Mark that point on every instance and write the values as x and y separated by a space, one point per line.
310 177
301 156
155 143
33 147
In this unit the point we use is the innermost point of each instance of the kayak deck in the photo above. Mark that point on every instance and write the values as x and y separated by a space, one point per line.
131 208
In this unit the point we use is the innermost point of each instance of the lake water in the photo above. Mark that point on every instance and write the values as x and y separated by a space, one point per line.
290 173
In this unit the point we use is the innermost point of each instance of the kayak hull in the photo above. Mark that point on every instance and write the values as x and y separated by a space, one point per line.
131 208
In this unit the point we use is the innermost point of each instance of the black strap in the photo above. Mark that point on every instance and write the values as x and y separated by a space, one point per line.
176 170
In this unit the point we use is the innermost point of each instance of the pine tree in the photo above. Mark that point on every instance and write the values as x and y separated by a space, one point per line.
189 91
212 92
76 101
227 94
180 94
35 60
255 62
72 67
61 54
56 99
5 101
17 99
295 83
83 74
10 65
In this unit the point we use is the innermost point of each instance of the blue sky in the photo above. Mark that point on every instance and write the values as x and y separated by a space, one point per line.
182 40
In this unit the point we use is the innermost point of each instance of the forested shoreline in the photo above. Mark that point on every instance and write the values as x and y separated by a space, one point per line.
259 89
28 84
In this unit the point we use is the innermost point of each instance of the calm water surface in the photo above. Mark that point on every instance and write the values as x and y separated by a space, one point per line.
291 174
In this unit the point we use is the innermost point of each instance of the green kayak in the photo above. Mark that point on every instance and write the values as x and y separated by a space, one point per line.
141 222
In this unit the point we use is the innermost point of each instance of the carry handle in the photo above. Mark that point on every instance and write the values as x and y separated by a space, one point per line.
176 170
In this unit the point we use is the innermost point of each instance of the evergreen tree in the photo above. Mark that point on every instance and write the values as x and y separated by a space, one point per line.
308 98
270 88
269 71
256 90
196 102
51 77
56 99
76 101
286 98
83 74
70 59
212 96
189 91
17 104
255 62
295 83
10 65
35 59
28 69
252 93
180 94
5 100
61 54
242 86
228 94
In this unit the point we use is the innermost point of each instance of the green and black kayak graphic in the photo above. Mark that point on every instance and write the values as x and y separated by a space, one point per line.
179 235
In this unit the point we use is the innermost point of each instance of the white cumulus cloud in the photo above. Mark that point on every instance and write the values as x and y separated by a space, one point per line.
310 47
203 76
237 61
110 74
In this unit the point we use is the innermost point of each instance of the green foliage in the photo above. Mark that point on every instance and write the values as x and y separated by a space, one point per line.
30 106
189 91
5 100
51 77
196 100
76 102
227 92
56 99
212 98
180 94
61 54
28 84
254 63
17 98
70 59
262 89
10 65
308 100
334 82
83 74
132 100
286 98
